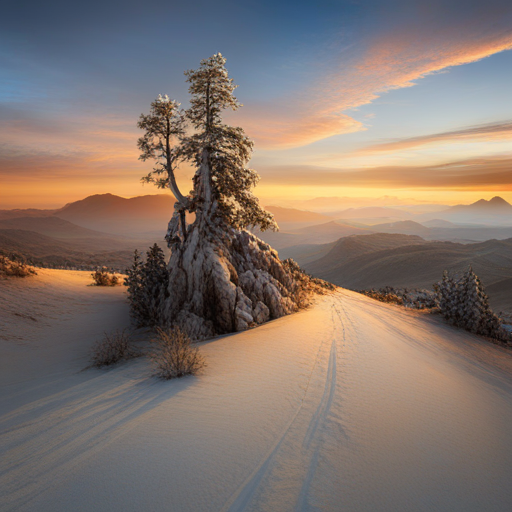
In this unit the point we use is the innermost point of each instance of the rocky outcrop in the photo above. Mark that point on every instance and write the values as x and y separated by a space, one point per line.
223 280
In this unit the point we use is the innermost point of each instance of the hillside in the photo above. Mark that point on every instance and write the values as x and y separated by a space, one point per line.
54 227
500 296
44 250
405 227
118 215
349 405
306 253
316 234
374 212
444 230
27 212
292 216
352 247
355 263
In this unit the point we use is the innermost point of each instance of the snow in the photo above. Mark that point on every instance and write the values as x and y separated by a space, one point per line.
350 405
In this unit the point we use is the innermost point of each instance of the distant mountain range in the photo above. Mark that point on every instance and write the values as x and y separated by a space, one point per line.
374 213
293 217
495 206
369 247
118 215
316 234
99 230
52 226
45 250
495 211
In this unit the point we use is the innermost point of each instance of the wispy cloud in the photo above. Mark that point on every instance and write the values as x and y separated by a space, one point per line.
478 173
400 52
486 132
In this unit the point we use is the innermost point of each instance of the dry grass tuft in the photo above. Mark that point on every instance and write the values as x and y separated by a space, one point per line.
12 268
112 348
104 278
174 356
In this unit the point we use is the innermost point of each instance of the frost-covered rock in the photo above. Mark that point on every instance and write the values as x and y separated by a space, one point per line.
224 280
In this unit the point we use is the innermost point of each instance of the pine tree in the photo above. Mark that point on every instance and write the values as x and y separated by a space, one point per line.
463 302
223 182
134 282
155 280
221 277
147 283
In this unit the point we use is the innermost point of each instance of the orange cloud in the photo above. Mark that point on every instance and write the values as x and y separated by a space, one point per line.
392 60
491 173
286 130
487 132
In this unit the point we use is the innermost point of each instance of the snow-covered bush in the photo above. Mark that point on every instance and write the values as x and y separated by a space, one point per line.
174 355
13 268
463 302
112 348
105 278
305 285
147 283
410 298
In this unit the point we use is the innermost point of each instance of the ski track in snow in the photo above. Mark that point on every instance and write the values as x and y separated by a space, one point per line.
352 405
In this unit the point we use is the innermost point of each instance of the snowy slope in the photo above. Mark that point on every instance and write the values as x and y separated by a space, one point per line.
352 405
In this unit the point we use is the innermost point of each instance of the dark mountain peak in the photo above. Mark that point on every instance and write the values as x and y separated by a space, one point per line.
495 206
497 200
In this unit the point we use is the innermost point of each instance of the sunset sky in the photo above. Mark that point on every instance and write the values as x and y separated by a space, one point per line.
343 98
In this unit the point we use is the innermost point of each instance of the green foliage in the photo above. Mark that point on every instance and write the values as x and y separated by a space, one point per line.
224 150
220 152
147 283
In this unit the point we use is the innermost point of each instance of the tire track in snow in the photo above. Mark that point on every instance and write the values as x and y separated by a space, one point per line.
299 445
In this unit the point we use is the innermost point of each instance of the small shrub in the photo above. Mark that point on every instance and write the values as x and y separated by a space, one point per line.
306 285
112 348
13 268
105 278
383 296
414 299
174 356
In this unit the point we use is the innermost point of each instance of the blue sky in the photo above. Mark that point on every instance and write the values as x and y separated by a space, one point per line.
321 83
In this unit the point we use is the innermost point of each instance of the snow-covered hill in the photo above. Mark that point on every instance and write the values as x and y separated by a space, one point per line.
351 405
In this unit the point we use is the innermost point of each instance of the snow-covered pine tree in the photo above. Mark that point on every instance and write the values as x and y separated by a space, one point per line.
147 286
222 278
477 316
134 283
155 280
464 303
221 152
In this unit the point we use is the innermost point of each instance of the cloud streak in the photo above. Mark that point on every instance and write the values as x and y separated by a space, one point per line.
487 132
402 52
492 173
